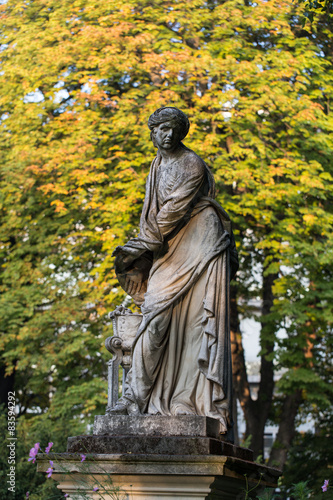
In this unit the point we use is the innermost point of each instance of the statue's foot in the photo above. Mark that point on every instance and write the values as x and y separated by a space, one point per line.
118 409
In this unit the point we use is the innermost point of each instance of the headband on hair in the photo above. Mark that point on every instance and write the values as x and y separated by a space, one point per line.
169 113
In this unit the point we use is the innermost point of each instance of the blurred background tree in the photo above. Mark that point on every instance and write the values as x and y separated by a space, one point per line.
313 7
78 81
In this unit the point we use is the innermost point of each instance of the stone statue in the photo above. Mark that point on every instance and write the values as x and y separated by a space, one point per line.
179 269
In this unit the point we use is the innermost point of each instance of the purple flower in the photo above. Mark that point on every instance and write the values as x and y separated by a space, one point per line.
95 489
50 469
49 446
27 494
325 485
83 457
49 472
66 495
33 453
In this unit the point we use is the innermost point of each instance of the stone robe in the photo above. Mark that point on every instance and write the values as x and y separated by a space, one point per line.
186 251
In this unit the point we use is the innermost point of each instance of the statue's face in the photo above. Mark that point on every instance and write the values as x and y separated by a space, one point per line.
166 135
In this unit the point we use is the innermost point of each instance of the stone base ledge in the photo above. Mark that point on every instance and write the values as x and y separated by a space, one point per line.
152 477
158 464
157 445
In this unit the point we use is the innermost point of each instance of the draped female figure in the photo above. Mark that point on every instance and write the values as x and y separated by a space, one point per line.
179 269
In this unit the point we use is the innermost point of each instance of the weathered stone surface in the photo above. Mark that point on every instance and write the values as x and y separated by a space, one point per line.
125 325
156 477
157 425
217 465
157 445
178 268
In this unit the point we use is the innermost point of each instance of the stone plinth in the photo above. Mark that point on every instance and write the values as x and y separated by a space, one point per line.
157 425
153 477
157 458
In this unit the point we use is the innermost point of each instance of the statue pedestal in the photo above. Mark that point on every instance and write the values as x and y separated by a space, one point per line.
159 462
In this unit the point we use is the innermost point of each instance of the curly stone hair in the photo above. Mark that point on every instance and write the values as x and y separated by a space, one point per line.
169 113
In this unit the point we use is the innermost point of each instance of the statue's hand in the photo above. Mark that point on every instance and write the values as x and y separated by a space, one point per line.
123 260
118 250
133 272
134 282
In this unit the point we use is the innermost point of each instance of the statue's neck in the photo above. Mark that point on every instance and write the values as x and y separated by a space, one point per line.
171 154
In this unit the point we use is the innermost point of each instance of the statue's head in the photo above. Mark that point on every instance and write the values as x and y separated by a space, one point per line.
172 115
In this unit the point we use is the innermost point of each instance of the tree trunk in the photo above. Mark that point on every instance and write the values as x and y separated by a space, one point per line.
286 430
257 411
241 388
